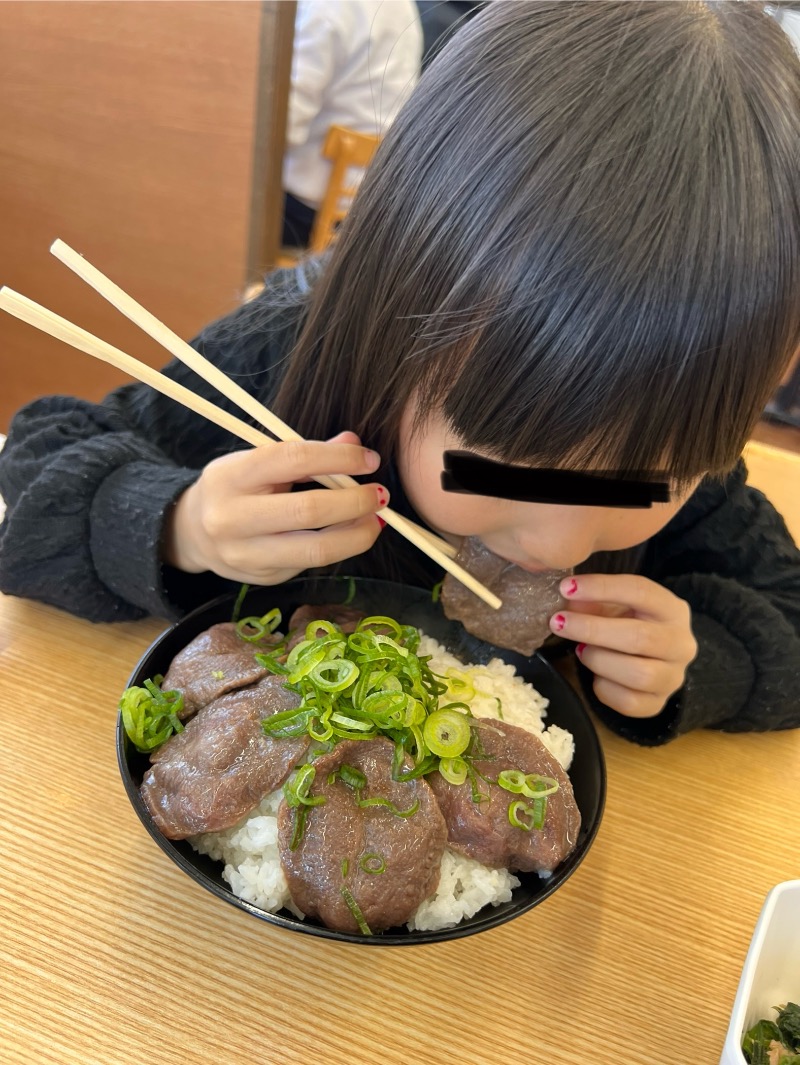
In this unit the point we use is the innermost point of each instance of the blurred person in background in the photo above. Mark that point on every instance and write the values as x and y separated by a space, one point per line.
354 64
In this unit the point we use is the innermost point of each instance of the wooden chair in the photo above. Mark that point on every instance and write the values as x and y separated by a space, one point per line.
345 148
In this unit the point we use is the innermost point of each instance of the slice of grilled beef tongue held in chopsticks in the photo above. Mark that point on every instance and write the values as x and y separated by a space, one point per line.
221 766
529 599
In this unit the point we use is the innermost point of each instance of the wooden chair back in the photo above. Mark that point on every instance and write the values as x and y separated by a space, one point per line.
345 149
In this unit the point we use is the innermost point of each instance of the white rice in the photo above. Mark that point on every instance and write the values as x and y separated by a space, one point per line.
250 849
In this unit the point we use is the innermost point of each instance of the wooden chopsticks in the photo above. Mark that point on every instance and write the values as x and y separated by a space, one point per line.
39 317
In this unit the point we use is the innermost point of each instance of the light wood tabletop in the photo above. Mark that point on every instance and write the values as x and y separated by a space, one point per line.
109 955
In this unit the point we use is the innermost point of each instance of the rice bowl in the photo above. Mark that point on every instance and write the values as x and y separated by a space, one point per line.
252 880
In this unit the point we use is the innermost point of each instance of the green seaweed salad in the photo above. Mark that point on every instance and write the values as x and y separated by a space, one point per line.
775 1042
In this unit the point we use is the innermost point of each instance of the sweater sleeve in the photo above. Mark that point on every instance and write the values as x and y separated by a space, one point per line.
729 554
88 486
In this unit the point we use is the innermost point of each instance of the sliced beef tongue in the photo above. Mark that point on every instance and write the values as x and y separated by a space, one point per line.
482 830
207 777
346 617
215 662
340 835
529 599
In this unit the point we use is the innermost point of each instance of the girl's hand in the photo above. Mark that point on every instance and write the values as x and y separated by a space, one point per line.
633 634
242 521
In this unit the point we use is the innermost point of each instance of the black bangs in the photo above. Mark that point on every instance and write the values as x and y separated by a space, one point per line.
579 240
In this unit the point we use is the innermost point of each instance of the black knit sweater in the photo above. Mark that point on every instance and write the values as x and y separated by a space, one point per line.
88 486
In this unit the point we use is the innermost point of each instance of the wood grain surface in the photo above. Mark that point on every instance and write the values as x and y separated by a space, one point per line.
128 129
110 955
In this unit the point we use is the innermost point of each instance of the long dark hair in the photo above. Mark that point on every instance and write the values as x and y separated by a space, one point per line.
580 240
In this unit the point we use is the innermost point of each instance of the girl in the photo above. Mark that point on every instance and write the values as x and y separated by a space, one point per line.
578 247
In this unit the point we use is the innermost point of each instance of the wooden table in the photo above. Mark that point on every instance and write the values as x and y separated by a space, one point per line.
109 955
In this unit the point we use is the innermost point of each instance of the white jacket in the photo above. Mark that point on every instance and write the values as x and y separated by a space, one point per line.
354 64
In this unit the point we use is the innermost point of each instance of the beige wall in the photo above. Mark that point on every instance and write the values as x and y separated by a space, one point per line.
128 130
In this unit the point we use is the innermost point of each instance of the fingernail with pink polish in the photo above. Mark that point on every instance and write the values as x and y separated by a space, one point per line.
383 496
381 522
557 622
580 649
569 587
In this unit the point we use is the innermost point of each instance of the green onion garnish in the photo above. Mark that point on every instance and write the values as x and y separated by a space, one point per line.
454 770
351 776
300 815
150 716
447 733
255 629
237 606
297 787
436 592
373 864
345 867
514 811
378 801
355 909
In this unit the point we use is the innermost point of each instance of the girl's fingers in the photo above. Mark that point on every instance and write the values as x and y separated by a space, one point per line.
632 636
629 590
263 515
278 465
258 559
642 675
628 702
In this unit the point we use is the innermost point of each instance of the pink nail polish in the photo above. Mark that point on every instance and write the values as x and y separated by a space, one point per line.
383 496
580 649
572 587
381 522
558 621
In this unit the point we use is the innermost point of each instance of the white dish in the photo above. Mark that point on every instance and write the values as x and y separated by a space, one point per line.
771 973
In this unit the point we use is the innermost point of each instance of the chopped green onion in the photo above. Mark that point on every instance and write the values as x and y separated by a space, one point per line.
454 770
351 591
297 787
320 729
539 787
514 810
300 815
436 591
373 864
334 676
355 909
345 867
447 733
218 674
538 810
353 777
303 664
237 606
150 716
271 663
512 780
379 621
258 627
391 806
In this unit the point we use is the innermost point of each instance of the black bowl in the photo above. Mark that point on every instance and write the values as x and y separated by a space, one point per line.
412 606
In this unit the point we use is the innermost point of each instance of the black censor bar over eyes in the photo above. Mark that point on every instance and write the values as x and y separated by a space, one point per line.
468 473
